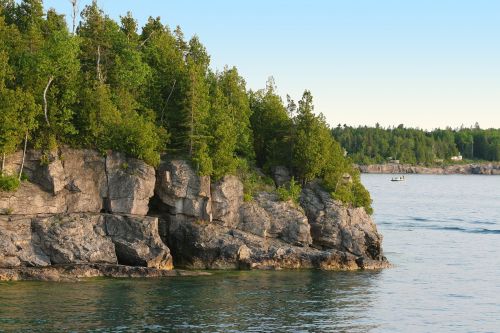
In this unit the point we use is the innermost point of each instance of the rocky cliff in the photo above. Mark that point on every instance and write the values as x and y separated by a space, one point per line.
93 213
459 169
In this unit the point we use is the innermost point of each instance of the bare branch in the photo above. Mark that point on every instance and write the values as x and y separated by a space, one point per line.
146 40
45 107
168 99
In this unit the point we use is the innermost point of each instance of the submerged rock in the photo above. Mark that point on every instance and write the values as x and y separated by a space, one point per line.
77 272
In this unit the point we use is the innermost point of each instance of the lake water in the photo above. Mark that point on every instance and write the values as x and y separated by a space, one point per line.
442 233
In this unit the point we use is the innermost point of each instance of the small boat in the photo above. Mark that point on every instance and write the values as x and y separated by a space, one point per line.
398 179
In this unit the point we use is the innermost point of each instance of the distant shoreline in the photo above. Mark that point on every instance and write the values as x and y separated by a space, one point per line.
457 169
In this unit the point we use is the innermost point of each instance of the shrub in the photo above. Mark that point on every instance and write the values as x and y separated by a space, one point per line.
137 137
9 183
291 192
252 180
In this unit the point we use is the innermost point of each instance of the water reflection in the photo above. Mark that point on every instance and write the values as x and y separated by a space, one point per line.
231 301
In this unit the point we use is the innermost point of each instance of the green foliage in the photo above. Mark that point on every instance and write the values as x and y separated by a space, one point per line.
290 192
9 183
352 192
253 181
144 93
271 127
136 136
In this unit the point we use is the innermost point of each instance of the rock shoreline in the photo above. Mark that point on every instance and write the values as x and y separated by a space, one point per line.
79 272
459 169
83 214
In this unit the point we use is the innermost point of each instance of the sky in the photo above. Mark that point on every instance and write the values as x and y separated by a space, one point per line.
422 63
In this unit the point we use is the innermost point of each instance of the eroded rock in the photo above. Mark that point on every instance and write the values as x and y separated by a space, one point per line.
76 238
137 241
335 226
185 194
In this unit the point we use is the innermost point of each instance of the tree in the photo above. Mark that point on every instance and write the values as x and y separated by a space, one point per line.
270 126
232 85
309 148
223 133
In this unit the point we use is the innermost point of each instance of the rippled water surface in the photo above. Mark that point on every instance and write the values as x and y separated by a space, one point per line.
441 232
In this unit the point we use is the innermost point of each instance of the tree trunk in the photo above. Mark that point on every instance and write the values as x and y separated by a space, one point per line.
99 73
24 154
3 163
74 4
192 116
45 107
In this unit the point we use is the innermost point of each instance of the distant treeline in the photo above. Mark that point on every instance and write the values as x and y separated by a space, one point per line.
368 145
148 91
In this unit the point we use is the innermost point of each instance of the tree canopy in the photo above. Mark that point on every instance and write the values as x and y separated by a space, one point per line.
145 92
368 145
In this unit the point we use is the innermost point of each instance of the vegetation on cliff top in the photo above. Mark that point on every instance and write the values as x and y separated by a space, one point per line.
110 85
371 145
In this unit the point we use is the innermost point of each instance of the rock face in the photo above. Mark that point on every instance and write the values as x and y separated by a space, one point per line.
460 169
281 175
227 197
93 211
75 238
183 193
80 239
80 181
263 233
131 184
334 226
137 241
81 207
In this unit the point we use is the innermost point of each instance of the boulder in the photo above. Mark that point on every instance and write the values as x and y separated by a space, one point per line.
287 220
130 184
227 198
18 246
254 219
137 241
281 175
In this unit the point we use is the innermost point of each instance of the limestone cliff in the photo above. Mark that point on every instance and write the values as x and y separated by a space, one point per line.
82 208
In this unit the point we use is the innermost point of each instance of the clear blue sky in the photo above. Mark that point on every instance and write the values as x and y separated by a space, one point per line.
425 63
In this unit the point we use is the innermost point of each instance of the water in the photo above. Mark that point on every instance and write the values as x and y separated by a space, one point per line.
441 232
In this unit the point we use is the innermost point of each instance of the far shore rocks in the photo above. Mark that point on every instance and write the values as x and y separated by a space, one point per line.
458 169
